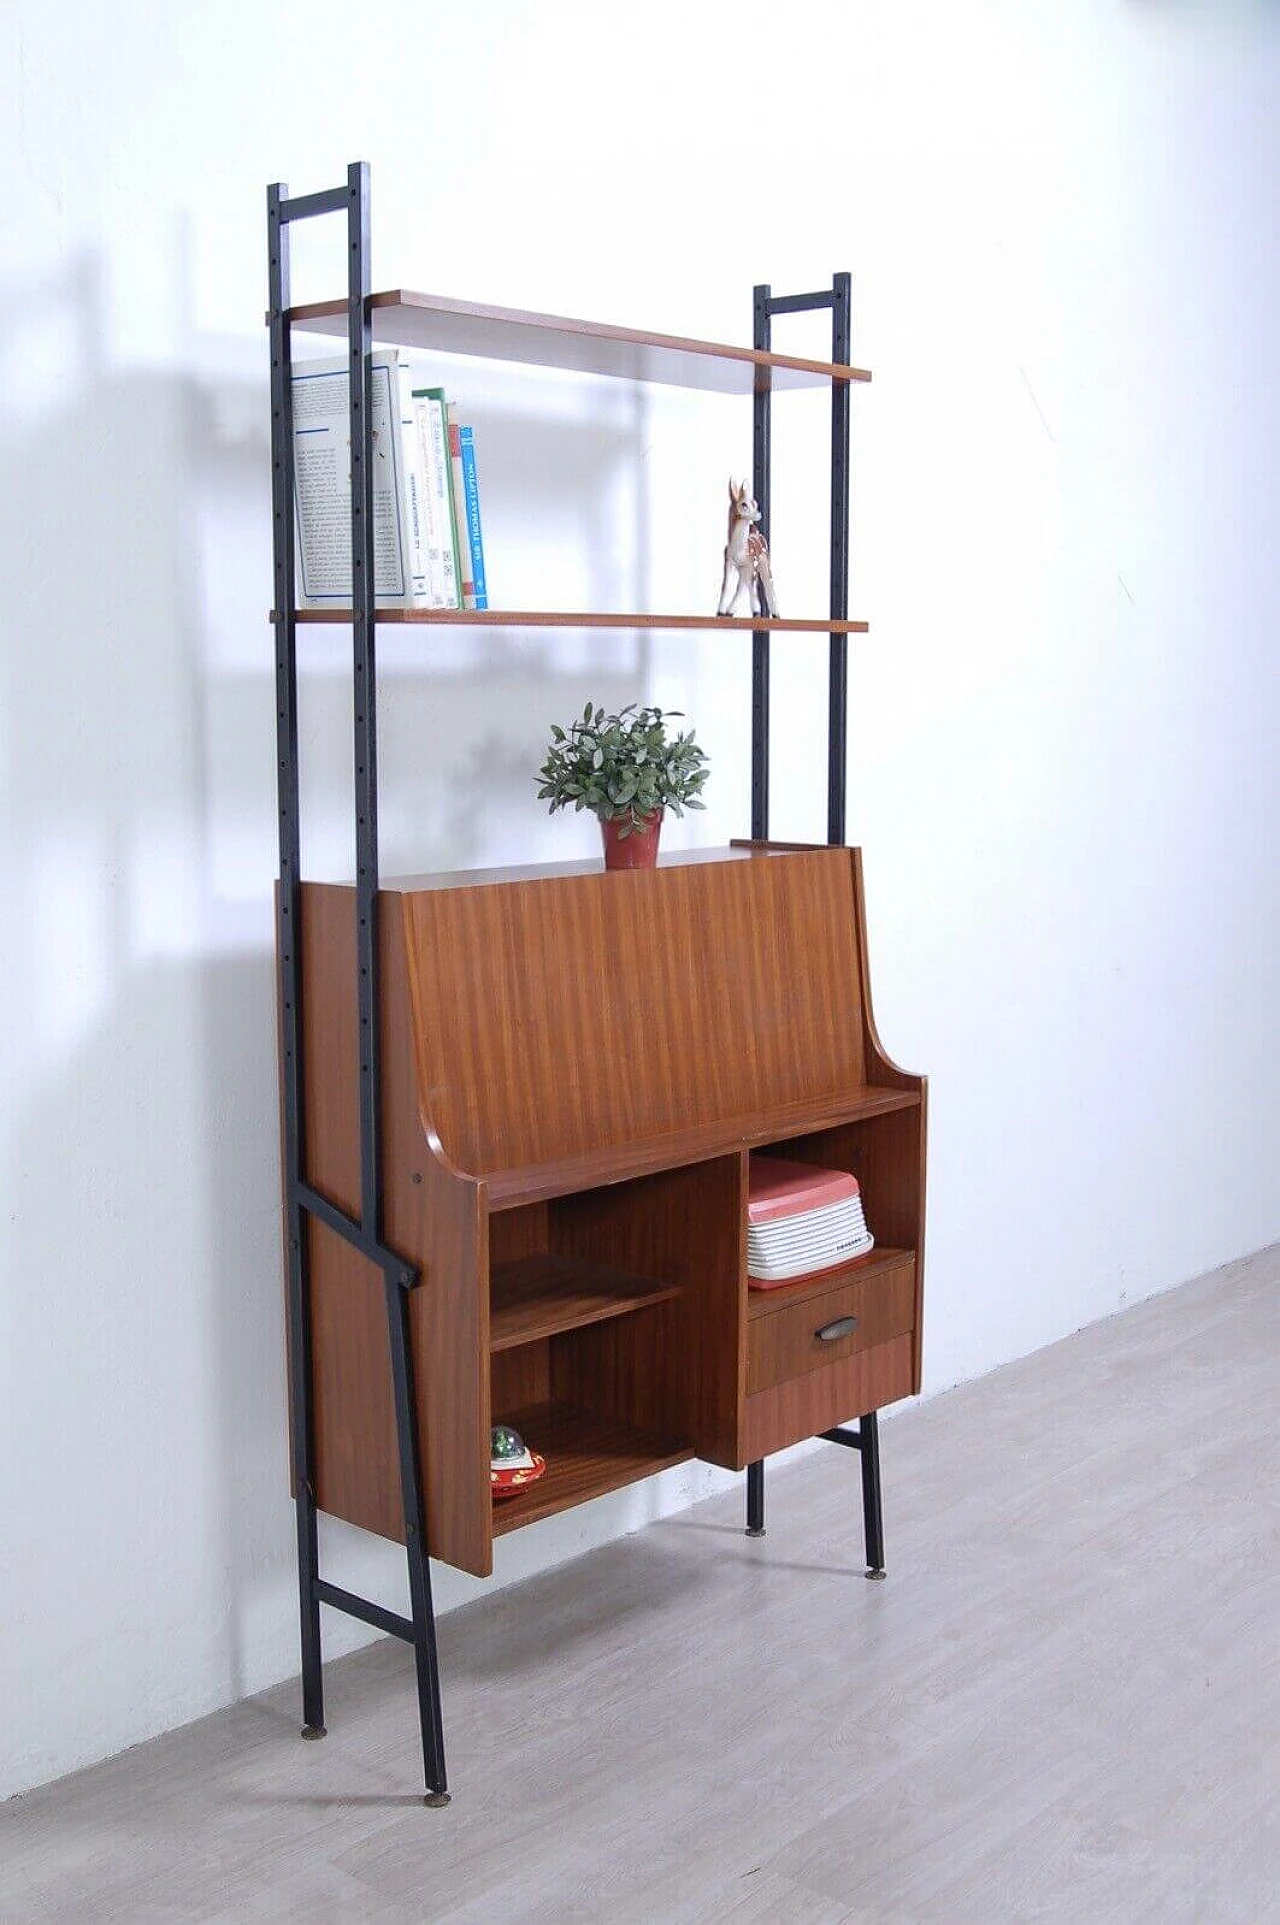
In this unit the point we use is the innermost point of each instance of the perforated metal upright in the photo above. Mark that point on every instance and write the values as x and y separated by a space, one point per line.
765 305
301 1201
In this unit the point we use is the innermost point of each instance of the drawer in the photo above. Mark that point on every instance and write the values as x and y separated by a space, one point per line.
856 1314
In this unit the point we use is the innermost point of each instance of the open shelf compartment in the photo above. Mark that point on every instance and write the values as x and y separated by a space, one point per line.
587 1454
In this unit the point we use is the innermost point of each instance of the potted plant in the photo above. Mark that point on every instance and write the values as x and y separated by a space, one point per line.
627 770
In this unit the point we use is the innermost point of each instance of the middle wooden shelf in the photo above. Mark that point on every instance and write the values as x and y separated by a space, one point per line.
539 1296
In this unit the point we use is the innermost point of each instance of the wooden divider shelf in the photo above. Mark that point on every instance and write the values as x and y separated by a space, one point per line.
510 1189
535 1297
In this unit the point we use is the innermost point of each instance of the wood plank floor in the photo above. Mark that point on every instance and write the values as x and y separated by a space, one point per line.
1063 1704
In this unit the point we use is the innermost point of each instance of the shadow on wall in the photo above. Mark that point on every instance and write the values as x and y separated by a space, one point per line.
148 1526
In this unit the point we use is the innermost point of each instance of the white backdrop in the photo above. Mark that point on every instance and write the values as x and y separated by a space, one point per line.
1062 225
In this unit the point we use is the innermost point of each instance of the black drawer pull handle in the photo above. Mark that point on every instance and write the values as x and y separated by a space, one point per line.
842 1327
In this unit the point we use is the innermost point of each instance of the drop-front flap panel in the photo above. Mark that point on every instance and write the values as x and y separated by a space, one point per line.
565 1014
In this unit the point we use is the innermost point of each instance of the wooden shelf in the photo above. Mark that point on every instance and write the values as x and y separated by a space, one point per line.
560 618
437 325
761 1303
537 1182
587 1454
533 1297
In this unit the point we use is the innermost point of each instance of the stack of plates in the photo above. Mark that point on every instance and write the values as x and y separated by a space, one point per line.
801 1219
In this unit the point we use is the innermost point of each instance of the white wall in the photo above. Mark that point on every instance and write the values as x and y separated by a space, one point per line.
1062 224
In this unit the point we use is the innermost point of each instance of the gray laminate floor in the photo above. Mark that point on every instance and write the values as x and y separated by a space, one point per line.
1063 1704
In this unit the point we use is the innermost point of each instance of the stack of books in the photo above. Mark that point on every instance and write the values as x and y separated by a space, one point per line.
428 546
801 1220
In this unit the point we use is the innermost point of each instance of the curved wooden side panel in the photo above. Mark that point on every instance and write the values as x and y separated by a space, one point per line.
887 1154
880 1066
903 1157
434 1217
431 1208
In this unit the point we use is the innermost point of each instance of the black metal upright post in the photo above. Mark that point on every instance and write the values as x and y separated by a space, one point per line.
838 695
365 708
301 1201
866 1439
287 913
364 668
761 335
761 480
872 1512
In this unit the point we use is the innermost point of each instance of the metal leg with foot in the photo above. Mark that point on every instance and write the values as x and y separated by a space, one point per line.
755 1498
424 1623
309 1605
304 1490
872 1515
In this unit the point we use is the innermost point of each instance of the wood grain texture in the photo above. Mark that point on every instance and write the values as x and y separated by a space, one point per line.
592 1013
701 1142
587 1454
434 1218
887 1155
802 1406
536 1296
906 1163
788 1345
520 1377
441 325
443 1217
599 1052
514 1234
681 1372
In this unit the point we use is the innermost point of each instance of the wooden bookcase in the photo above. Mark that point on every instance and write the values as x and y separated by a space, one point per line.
518 1105
566 1162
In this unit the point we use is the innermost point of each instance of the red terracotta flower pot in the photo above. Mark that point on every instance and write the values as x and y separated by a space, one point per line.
639 850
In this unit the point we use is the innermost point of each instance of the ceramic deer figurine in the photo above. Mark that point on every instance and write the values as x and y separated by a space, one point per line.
746 556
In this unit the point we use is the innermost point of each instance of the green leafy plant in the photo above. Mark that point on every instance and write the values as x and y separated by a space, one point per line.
623 765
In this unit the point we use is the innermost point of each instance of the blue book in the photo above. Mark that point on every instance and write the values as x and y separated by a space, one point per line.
471 486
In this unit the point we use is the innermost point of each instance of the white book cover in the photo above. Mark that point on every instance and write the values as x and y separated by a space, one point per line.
322 479
433 446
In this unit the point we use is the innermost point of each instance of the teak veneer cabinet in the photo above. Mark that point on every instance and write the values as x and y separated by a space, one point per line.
518 1106
575 1067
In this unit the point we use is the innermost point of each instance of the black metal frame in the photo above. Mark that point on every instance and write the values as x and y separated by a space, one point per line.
765 304
301 1201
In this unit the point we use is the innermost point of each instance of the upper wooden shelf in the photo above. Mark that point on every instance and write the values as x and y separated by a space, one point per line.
619 1163
559 618
431 322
